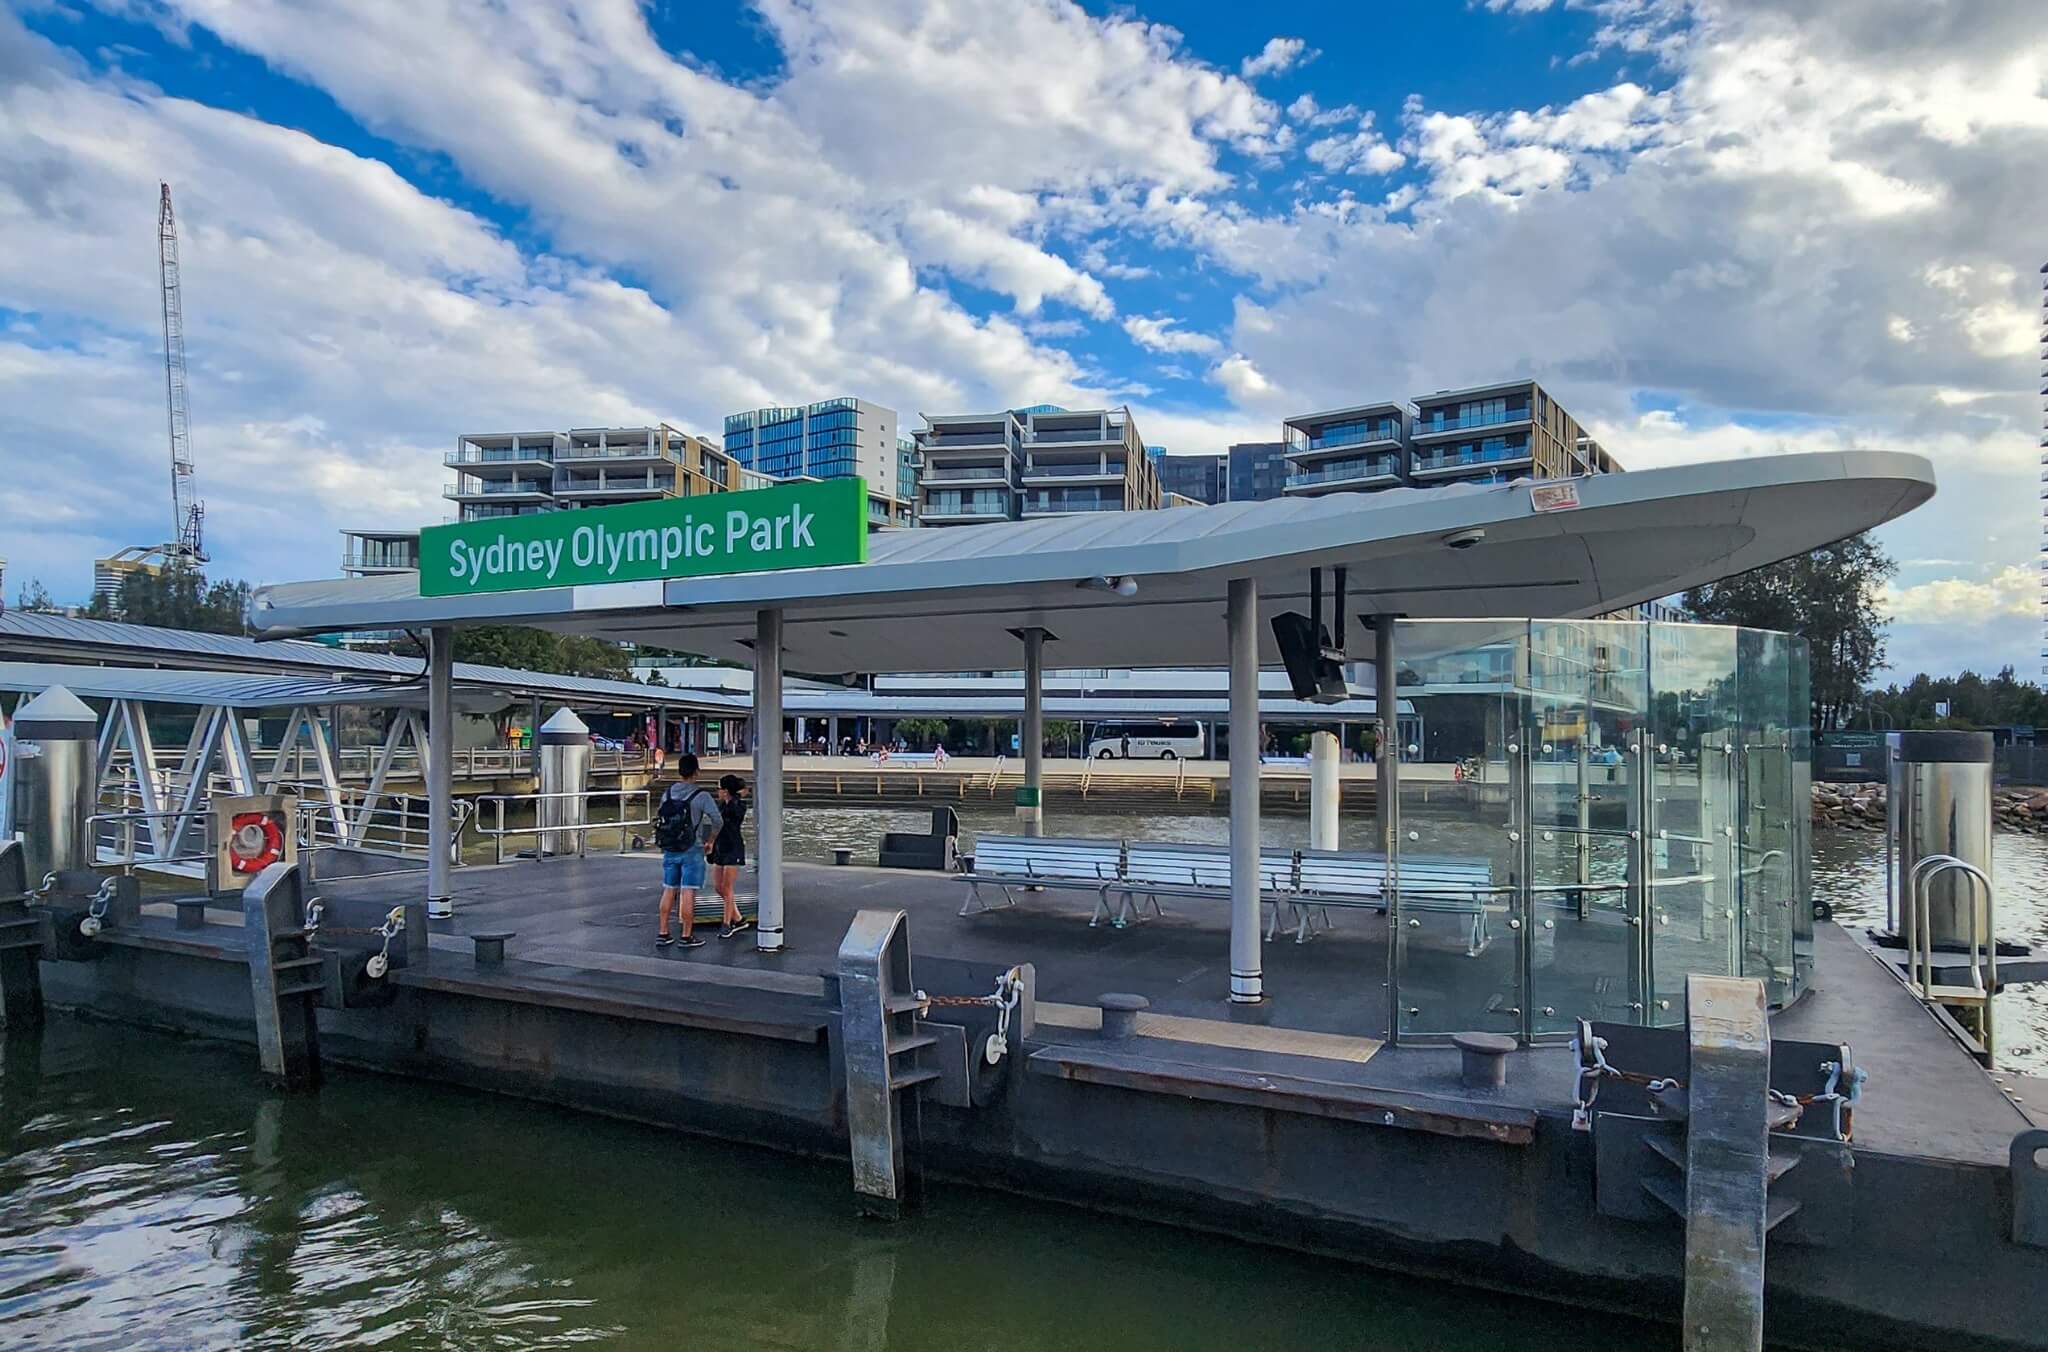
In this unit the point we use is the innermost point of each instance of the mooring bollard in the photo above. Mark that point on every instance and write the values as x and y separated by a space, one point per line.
1483 1059
1120 1014
490 948
191 912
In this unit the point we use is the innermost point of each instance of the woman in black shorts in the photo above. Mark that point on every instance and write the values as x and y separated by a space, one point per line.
729 851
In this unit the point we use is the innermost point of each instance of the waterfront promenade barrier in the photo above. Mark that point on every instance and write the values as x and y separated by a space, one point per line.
1190 783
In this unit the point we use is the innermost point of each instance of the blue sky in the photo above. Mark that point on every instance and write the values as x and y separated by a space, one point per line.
406 222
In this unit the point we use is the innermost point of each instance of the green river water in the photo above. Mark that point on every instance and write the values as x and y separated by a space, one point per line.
154 1195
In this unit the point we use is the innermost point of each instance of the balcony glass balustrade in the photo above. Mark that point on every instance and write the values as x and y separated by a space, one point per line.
1387 467
967 504
1086 469
1427 425
937 470
1491 455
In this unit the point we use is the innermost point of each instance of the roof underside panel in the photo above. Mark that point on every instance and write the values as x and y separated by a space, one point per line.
951 599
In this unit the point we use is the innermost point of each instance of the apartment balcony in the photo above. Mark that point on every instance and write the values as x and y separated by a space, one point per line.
1449 465
1343 475
1057 504
355 563
615 486
965 507
477 490
496 461
947 472
637 451
1068 471
1304 450
1431 429
1078 436
995 439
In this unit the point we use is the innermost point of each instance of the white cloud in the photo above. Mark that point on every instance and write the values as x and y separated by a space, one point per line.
1162 334
2011 592
1278 54
1365 151
786 243
1243 381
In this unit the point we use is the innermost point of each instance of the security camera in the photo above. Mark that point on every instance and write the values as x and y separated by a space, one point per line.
1465 539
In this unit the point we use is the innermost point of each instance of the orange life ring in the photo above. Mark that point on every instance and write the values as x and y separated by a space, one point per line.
255 842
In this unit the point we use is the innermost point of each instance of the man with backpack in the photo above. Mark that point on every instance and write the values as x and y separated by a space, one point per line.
687 820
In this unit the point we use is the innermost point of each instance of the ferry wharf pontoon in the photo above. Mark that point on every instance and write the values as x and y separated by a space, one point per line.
1570 1029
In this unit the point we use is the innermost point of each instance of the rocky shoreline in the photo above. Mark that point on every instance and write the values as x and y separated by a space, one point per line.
1861 807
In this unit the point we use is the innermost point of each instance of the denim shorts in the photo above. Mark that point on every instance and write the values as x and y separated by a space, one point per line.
682 868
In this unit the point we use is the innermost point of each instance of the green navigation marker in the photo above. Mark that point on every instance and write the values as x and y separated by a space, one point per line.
798 525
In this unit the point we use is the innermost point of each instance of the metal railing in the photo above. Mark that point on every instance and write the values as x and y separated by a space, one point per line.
121 831
398 824
498 829
1919 932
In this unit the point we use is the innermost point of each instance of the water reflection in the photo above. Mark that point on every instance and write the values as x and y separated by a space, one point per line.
153 1196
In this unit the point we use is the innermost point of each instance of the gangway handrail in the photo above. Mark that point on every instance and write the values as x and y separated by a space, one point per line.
1919 936
497 833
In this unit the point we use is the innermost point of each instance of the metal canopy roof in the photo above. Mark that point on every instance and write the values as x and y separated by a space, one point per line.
35 635
950 599
200 688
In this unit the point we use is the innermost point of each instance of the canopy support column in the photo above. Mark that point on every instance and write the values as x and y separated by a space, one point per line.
768 777
1031 798
1241 619
440 768
1386 801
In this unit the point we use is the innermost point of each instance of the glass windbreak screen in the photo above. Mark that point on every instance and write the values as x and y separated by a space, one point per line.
1592 811
1457 910
1588 692
1764 838
1692 897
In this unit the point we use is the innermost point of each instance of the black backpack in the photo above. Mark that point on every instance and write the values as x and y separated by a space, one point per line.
672 823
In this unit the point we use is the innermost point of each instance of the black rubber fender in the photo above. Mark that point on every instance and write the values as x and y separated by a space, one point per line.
360 990
72 946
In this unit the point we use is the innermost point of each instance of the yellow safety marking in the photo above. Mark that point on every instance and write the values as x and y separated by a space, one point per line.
1247 1037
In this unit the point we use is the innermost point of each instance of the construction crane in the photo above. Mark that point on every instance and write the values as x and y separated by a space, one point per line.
186 545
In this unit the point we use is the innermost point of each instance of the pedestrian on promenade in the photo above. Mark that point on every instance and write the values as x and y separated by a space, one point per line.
729 851
687 822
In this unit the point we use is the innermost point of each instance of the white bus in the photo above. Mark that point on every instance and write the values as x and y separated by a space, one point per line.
1146 740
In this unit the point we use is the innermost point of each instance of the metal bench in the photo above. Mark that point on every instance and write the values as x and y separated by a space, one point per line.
1155 869
908 760
1429 883
1070 863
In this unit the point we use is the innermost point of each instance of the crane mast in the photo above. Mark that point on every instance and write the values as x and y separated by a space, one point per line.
186 545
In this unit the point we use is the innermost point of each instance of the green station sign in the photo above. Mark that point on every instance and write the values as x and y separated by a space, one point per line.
798 525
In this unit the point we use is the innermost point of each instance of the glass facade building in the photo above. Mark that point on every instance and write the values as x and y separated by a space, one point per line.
1258 470
1488 434
1631 808
831 439
1201 477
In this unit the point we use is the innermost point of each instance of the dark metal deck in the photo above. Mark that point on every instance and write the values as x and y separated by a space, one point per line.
585 929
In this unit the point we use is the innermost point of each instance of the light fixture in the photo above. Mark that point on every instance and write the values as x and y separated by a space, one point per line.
1124 585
